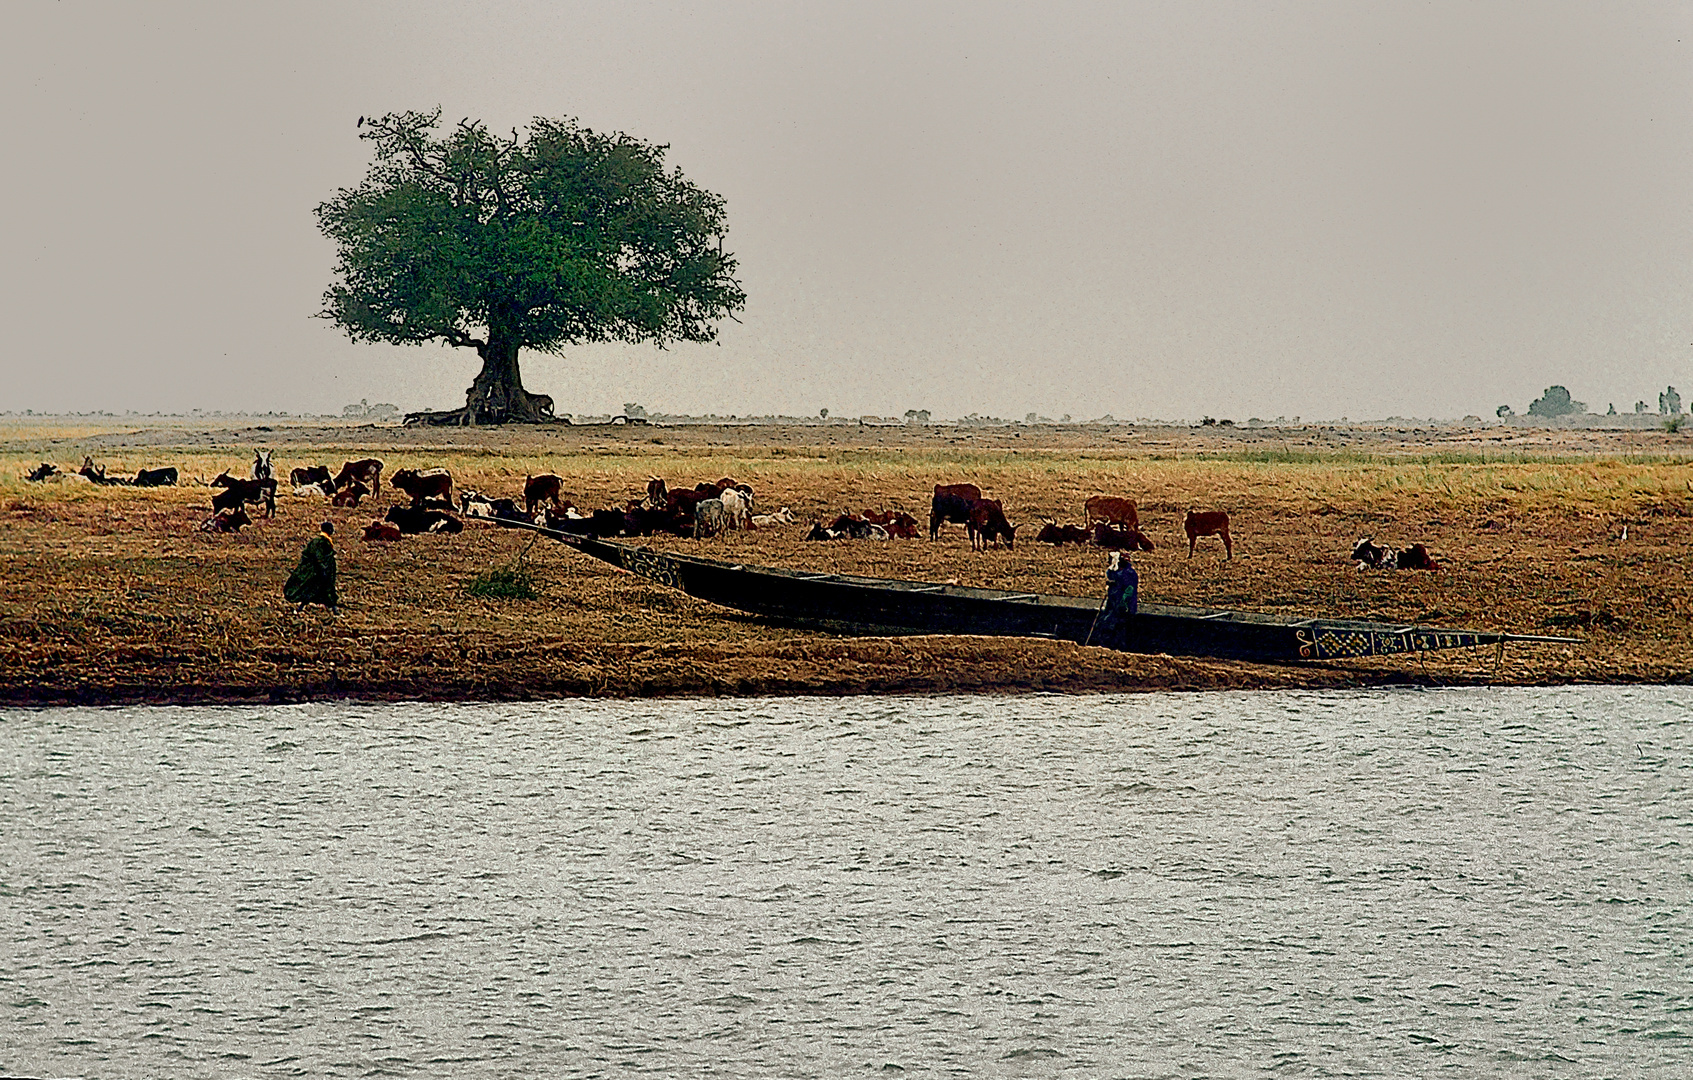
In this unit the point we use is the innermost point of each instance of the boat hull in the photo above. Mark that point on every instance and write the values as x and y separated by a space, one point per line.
878 605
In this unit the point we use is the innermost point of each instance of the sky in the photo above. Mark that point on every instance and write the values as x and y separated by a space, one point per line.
1174 210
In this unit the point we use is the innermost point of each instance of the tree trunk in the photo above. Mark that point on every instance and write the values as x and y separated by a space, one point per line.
497 396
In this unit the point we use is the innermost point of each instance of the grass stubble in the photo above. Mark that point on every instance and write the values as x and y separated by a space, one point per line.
113 595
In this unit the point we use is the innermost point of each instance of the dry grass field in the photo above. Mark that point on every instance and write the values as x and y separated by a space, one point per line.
112 594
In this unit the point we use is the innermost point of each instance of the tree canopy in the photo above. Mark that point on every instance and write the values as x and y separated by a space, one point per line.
554 237
1556 402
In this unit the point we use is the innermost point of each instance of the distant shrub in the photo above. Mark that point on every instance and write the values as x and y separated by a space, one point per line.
1556 402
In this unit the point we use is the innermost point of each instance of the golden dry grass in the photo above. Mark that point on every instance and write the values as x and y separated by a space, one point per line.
113 594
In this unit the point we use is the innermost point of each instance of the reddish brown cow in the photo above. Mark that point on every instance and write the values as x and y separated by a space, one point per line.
382 530
952 502
544 488
1116 511
227 521
1207 523
1054 533
900 525
241 490
1118 539
987 524
351 494
367 471
422 484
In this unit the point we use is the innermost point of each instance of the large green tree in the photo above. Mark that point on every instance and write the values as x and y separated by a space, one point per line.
554 237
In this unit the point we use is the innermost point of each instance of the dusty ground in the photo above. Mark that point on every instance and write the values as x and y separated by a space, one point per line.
111 594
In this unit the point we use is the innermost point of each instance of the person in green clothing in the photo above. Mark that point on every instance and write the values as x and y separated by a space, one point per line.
313 581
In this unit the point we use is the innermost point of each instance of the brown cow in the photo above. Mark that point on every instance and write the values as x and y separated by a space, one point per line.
241 490
382 530
952 502
1056 534
1207 523
365 470
1118 539
1114 510
226 521
424 484
544 488
351 494
987 524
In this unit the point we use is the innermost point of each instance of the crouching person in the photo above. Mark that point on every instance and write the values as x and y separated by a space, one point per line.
313 581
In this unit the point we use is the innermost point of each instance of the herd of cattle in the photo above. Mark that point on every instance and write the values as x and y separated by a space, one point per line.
707 509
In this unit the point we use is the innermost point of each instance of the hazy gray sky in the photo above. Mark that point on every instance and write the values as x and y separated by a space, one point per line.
1168 209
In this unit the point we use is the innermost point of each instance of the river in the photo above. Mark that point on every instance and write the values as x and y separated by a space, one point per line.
1396 883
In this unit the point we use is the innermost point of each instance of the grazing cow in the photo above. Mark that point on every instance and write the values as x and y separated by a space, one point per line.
366 470
41 472
1371 556
226 521
987 524
261 466
1056 534
658 497
315 477
710 518
413 520
539 489
952 502
350 495
783 516
423 484
737 505
1115 538
239 491
1207 523
161 477
1113 510
382 530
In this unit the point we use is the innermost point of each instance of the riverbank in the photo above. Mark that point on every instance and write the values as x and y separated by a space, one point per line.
113 595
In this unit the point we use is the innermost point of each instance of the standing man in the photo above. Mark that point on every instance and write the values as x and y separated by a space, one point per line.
1122 600
313 581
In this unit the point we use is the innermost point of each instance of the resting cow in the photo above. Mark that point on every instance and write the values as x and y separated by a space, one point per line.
226 521
1118 539
1207 523
1371 556
1056 534
900 525
783 516
413 520
351 494
382 530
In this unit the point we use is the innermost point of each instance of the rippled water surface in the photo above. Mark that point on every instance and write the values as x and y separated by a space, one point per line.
1469 882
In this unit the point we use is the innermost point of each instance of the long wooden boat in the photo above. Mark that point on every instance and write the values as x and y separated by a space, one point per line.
858 604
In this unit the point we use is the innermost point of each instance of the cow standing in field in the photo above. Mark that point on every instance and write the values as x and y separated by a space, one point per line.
239 491
367 471
987 524
539 489
424 484
1112 510
952 502
311 481
1207 523
710 518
